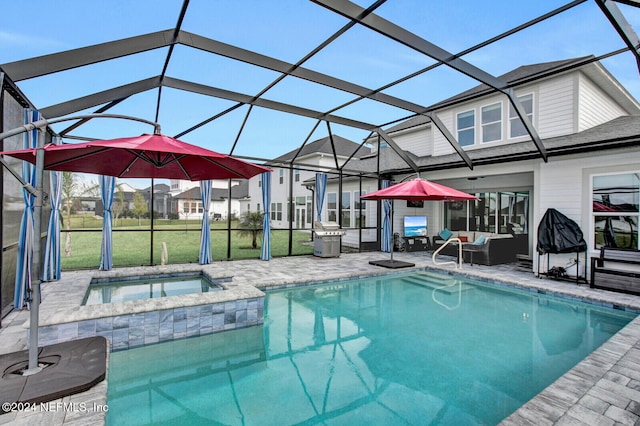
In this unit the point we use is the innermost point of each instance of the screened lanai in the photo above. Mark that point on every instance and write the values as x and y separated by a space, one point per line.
256 80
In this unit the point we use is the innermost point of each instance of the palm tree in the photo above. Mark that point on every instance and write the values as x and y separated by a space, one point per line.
251 224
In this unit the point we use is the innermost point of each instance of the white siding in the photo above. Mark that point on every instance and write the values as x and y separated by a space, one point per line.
441 145
594 106
565 185
556 107
561 188
418 142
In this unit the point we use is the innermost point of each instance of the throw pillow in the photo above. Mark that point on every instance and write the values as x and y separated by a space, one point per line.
463 239
445 234
480 241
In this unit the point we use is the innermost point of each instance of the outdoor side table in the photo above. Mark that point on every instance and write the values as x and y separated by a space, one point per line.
470 248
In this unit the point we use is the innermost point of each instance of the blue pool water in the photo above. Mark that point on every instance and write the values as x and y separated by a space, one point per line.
151 287
417 348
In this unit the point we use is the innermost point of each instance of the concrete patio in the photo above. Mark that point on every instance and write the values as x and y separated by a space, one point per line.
604 389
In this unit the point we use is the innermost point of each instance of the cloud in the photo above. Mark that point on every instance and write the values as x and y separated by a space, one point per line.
17 40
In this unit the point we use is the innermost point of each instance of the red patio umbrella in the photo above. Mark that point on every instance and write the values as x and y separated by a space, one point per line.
418 190
413 190
145 156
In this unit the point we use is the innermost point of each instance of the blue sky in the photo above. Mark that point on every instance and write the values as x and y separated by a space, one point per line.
287 30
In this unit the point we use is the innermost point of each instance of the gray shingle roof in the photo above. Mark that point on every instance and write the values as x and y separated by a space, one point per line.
238 192
344 147
513 78
622 131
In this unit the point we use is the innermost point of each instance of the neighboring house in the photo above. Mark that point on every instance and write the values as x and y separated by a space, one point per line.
189 203
290 180
90 201
589 126
163 202
180 186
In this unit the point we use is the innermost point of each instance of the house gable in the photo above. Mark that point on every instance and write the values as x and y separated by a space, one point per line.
594 105
560 105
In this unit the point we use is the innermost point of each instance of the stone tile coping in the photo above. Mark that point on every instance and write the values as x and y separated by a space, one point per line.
613 367
62 300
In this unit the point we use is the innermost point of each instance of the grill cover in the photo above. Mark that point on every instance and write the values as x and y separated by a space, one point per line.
559 234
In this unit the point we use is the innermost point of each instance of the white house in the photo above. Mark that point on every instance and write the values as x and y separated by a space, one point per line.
589 128
290 181
188 199
189 203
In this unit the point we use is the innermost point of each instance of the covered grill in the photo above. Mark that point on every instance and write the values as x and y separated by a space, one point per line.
328 238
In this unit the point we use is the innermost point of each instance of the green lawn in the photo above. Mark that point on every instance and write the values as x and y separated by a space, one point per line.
131 242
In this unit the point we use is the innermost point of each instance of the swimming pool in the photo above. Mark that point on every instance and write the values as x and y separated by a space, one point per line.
414 348
148 287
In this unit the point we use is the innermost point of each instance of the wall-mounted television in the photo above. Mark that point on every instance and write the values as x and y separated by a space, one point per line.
415 226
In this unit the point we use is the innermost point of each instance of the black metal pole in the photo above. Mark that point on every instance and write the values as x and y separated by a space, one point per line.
229 223
359 216
152 224
291 209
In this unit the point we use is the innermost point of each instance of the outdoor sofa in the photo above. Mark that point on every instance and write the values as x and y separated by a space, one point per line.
616 269
493 249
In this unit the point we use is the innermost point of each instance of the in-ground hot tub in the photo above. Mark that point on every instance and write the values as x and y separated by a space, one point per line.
108 290
132 323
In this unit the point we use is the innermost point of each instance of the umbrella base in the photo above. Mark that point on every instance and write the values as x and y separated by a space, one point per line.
392 264
69 368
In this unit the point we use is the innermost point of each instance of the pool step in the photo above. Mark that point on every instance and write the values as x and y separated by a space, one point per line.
444 283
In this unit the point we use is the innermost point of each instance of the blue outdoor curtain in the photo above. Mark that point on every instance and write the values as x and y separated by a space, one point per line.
321 188
205 233
51 267
107 186
26 233
265 253
386 236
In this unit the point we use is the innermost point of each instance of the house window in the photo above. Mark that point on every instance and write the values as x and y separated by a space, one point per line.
332 207
257 207
194 207
281 176
260 183
200 209
615 209
515 124
187 207
466 128
309 209
492 122
360 209
296 174
276 211
346 209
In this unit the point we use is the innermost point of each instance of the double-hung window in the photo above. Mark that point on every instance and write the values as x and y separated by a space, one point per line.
615 207
492 122
515 124
276 211
466 128
360 209
332 207
346 209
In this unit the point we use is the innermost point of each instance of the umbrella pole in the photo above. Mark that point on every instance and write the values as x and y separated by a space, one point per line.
391 226
35 261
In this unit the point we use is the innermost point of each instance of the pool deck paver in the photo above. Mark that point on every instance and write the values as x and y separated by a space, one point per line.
603 389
